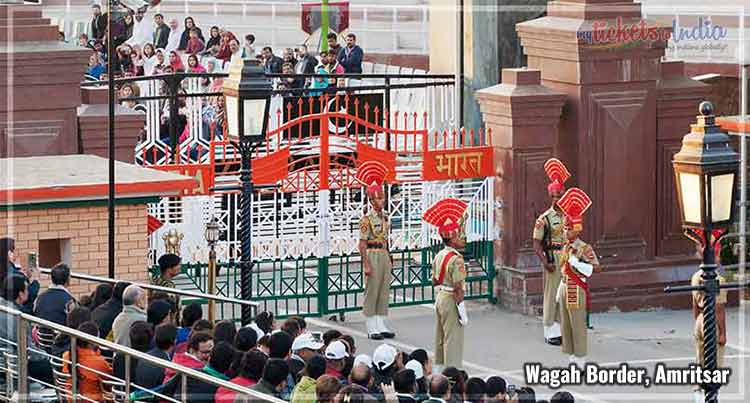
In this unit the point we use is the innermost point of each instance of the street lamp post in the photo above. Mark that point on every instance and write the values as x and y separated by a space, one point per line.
248 97
212 236
706 178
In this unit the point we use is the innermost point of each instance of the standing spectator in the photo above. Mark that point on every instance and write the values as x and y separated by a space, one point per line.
440 389
273 381
476 390
195 43
335 359
234 47
128 26
9 267
250 372
351 56
141 335
288 56
134 300
288 83
320 82
304 392
334 67
333 44
214 39
91 366
326 388
15 292
83 40
196 356
248 49
271 62
306 64
170 265
98 22
143 30
562 397
173 42
149 375
158 312
161 32
105 314
55 303
495 389
101 294
405 382
185 36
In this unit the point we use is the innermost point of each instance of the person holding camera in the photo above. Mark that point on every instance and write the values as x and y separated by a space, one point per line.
9 267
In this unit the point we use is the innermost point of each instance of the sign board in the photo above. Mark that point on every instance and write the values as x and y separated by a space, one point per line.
338 17
463 163
202 173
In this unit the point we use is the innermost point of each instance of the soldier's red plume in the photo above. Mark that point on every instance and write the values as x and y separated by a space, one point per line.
446 214
372 174
574 203
557 174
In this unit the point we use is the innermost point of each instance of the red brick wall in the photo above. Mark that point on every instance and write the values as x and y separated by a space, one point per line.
86 227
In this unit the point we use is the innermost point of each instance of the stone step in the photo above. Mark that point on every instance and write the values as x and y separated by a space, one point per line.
20 11
28 33
25 21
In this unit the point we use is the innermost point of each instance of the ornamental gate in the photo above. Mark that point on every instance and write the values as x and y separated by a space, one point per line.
306 217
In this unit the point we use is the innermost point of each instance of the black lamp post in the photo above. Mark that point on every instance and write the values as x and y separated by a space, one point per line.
248 96
706 178
212 236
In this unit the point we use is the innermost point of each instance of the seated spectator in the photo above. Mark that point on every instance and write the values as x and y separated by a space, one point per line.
96 67
225 331
525 395
101 294
244 341
194 65
320 82
225 52
353 394
421 382
158 312
495 389
362 376
335 355
265 322
187 34
15 294
291 326
333 67
383 364
217 366
200 325
149 375
250 372
191 313
405 383
175 62
280 346
141 335
440 389
475 390
9 267
458 385
75 318
195 43
273 381
83 40
287 56
169 299
91 365
301 323
331 335
160 63
134 302
128 90
214 37
304 391
248 49
326 388
562 397
105 314
196 356
304 347
55 303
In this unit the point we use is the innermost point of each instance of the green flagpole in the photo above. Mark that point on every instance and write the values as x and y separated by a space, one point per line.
324 25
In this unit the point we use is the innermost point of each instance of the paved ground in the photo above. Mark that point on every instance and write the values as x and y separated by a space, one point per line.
499 342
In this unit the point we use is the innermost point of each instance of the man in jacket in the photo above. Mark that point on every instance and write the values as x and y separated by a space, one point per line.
149 375
134 302
405 383
104 315
304 392
98 22
55 303
16 292
271 62
440 389
273 382
161 32
351 56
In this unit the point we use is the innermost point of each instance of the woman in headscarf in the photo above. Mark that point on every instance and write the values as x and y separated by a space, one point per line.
160 62
189 24
214 38
175 61
128 25
194 65
225 51
129 90
149 59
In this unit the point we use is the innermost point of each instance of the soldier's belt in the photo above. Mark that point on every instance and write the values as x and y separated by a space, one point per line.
444 288
375 245
556 246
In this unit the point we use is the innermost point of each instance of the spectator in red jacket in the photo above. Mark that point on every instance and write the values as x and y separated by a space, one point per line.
196 356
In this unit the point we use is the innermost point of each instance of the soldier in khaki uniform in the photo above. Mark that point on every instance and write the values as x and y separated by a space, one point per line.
373 247
721 327
448 276
578 261
549 239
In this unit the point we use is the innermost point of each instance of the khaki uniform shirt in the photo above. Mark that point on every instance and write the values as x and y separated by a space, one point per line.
455 270
555 220
374 227
576 296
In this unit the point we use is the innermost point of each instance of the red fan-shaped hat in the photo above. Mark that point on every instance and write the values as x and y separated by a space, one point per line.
574 203
372 174
557 174
446 215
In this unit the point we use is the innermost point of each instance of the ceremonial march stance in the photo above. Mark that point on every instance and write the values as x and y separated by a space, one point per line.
448 276
373 247
549 239
578 261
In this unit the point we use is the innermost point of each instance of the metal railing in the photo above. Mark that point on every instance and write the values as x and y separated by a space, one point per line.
19 369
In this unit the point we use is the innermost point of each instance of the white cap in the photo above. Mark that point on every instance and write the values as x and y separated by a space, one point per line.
336 351
384 356
306 341
363 359
259 333
415 366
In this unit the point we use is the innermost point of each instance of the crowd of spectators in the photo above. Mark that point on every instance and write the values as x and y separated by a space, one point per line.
284 360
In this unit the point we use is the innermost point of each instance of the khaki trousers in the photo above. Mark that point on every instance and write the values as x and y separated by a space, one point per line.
378 283
550 309
574 331
449 334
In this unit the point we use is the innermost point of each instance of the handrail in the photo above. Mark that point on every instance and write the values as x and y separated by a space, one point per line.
159 288
131 352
